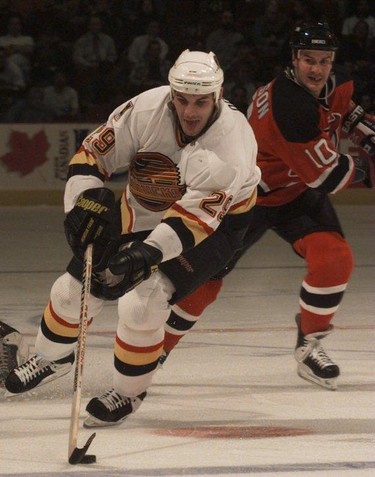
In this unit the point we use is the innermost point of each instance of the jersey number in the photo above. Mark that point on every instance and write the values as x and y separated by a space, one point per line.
322 155
217 199
102 140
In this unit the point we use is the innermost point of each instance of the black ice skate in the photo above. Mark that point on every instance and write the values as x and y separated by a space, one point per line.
111 409
313 362
13 350
37 371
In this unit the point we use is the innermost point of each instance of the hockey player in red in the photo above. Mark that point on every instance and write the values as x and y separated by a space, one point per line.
192 182
298 120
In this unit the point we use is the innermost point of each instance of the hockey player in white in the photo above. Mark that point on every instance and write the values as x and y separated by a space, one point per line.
192 182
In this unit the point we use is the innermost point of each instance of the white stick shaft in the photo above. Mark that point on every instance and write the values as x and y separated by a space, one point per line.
81 347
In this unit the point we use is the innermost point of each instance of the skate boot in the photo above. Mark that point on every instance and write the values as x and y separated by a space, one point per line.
37 371
111 409
13 350
313 362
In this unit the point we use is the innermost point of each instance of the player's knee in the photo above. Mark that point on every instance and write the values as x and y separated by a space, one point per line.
198 301
329 254
338 256
146 308
66 298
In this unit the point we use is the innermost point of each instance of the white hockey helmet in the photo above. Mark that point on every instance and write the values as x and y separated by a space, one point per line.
196 72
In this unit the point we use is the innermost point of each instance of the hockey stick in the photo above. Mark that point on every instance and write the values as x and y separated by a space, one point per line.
77 455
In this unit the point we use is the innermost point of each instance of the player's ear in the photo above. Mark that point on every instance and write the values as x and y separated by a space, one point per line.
294 57
221 93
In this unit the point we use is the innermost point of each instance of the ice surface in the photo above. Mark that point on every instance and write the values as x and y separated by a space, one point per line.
228 401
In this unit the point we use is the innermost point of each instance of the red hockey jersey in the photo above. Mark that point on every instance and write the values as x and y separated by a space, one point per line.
298 137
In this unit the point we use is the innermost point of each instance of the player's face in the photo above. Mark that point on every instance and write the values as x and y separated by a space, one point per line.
312 69
193 111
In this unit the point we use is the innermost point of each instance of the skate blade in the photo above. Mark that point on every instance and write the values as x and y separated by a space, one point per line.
326 383
25 395
92 421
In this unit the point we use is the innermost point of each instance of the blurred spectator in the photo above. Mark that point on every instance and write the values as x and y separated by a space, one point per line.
53 16
139 45
94 56
270 31
151 72
51 54
143 13
61 99
19 47
246 12
223 40
94 48
129 10
242 76
190 34
358 51
12 83
109 12
31 109
360 11
359 76
356 47
299 11
11 75
245 53
332 12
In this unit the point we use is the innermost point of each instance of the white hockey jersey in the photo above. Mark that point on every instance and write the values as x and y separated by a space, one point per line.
180 192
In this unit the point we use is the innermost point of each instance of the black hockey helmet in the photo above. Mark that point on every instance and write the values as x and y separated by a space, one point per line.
313 36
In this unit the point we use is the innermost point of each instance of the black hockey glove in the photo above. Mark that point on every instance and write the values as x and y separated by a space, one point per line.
90 221
126 269
365 171
136 262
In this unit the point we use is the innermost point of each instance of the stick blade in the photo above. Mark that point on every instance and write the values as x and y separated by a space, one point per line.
78 456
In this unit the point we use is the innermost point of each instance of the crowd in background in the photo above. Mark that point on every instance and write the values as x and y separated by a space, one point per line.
72 60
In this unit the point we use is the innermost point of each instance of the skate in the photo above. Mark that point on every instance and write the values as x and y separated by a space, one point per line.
162 359
13 350
111 409
37 371
314 364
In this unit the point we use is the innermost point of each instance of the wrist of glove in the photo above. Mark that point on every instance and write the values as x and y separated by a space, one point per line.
352 118
137 261
126 269
359 126
90 221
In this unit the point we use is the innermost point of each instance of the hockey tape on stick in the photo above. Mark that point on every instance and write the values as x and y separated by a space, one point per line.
78 455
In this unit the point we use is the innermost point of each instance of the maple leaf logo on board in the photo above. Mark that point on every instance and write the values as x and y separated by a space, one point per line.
25 153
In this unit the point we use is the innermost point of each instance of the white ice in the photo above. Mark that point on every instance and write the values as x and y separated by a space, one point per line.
234 372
